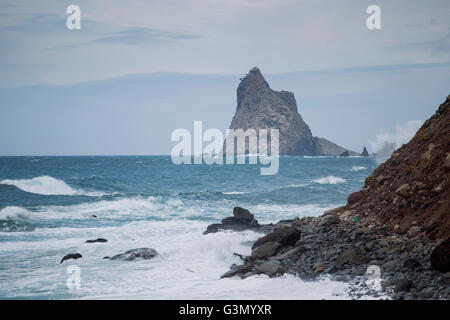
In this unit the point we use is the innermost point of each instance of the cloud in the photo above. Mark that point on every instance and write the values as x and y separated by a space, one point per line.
142 35
386 143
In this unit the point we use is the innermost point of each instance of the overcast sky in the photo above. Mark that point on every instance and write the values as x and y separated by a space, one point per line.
213 36
353 86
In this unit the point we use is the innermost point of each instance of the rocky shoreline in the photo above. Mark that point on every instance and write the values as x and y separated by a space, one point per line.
342 246
391 239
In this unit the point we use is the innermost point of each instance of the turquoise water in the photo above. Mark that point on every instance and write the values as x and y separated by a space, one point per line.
48 204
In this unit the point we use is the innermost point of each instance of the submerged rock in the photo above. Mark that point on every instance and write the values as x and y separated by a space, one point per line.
96 240
136 254
74 256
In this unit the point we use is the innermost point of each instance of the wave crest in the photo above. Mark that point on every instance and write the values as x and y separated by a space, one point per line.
46 185
330 180
357 168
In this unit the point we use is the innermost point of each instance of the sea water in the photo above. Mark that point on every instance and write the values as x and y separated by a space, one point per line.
49 207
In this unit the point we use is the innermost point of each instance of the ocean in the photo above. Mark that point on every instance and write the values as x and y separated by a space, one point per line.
49 207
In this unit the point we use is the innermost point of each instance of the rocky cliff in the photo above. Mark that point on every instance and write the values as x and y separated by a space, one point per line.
410 191
260 107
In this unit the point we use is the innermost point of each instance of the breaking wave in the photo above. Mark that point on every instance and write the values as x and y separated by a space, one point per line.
330 180
46 185
357 168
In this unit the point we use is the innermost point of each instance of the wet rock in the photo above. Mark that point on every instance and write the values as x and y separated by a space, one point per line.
241 220
136 254
242 213
237 271
285 236
440 257
404 285
74 256
96 240
265 250
269 268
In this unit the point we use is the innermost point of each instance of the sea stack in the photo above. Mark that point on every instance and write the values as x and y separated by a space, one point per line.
364 153
260 107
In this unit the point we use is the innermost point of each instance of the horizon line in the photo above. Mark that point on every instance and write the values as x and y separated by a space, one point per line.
363 68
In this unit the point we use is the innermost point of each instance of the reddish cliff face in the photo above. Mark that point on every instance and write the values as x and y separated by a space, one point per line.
410 193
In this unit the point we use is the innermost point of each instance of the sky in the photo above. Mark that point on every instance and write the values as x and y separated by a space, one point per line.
339 70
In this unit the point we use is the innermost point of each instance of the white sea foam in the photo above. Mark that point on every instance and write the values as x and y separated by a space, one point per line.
14 213
330 180
46 185
189 265
235 192
357 168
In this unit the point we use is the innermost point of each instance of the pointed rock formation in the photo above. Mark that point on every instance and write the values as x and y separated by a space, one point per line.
260 107
364 152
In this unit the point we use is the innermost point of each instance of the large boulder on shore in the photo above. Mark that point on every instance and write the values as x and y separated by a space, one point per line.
286 236
241 220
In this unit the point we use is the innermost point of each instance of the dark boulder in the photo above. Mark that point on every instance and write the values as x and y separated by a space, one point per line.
286 236
404 285
412 264
355 197
265 250
242 213
237 271
136 254
345 154
241 220
74 256
96 240
440 257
